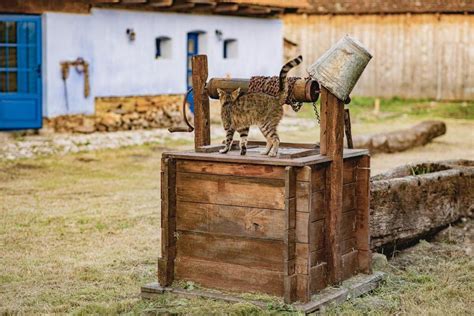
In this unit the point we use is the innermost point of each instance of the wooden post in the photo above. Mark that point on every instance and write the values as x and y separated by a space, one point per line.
168 222
364 256
202 128
290 236
332 142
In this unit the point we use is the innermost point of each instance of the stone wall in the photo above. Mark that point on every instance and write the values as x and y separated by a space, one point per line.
122 113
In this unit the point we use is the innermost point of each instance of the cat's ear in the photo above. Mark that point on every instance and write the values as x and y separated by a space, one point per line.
235 94
220 92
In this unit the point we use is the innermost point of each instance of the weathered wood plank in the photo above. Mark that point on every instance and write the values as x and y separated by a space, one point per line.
168 222
349 264
362 216
246 170
229 190
349 197
332 142
348 225
290 236
350 167
232 277
318 277
348 245
202 128
231 220
315 206
252 253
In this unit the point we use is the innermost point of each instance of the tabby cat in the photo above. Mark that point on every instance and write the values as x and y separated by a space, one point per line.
261 109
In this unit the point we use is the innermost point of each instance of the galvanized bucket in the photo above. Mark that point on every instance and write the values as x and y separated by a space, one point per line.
339 69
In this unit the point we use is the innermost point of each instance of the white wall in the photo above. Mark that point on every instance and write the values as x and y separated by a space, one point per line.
119 67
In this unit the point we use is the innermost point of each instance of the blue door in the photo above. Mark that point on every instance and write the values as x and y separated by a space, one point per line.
192 50
20 72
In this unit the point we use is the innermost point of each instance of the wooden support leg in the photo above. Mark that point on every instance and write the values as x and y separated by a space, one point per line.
362 216
290 236
168 222
332 142
202 128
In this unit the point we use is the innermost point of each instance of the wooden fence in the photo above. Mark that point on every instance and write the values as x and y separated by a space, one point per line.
415 55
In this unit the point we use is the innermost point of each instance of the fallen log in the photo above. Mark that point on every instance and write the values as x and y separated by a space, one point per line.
418 135
414 201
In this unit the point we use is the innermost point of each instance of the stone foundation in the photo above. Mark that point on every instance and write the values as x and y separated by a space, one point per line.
122 113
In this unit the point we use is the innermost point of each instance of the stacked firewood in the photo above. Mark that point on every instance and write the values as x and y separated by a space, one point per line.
118 114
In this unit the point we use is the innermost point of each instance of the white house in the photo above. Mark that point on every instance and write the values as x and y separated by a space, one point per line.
129 52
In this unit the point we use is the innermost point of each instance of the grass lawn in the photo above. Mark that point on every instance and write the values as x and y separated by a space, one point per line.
80 234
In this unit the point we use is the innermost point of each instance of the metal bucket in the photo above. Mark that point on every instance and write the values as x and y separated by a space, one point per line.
339 69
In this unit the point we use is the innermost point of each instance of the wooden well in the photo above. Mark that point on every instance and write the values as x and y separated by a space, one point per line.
287 226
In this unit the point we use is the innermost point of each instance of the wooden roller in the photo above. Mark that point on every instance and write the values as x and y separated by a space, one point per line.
305 90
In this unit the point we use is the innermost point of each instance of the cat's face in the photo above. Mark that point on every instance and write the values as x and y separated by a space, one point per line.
228 98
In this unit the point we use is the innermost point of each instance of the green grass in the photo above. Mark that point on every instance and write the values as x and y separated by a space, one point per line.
362 109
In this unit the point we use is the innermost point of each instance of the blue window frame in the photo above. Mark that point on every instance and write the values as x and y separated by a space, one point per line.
20 72
192 49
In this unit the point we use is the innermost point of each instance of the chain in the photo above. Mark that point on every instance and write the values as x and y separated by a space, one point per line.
315 107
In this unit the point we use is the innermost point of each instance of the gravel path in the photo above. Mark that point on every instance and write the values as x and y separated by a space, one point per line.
31 146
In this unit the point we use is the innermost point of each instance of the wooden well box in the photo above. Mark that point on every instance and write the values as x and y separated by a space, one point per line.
286 226
249 225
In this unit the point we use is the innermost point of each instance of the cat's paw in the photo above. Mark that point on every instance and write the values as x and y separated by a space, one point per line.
243 151
224 150
264 152
272 154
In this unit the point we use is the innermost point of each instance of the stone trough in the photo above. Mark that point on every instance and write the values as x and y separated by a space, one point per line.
416 200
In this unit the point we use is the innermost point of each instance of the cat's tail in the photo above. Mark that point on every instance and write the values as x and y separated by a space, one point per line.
283 88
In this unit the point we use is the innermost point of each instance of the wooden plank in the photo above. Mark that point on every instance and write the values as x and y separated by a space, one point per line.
38 7
160 3
290 281
349 264
230 190
231 220
349 197
252 253
315 207
332 142
348 225
313 234
316 174
302 288
302 258
226 8
317 257
248 170
350 167
202 129
228 276
348 128
302 4
318 278
362 217
168 222
348 245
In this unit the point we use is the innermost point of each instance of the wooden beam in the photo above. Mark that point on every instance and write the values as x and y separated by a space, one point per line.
160 3
133 1
103 1
202 128
226 8
332 143
272 3
38 7
289 278
254 10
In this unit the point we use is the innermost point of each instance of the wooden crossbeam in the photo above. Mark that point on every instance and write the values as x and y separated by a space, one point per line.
253 10
134 1
226 7
272 3
160 3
